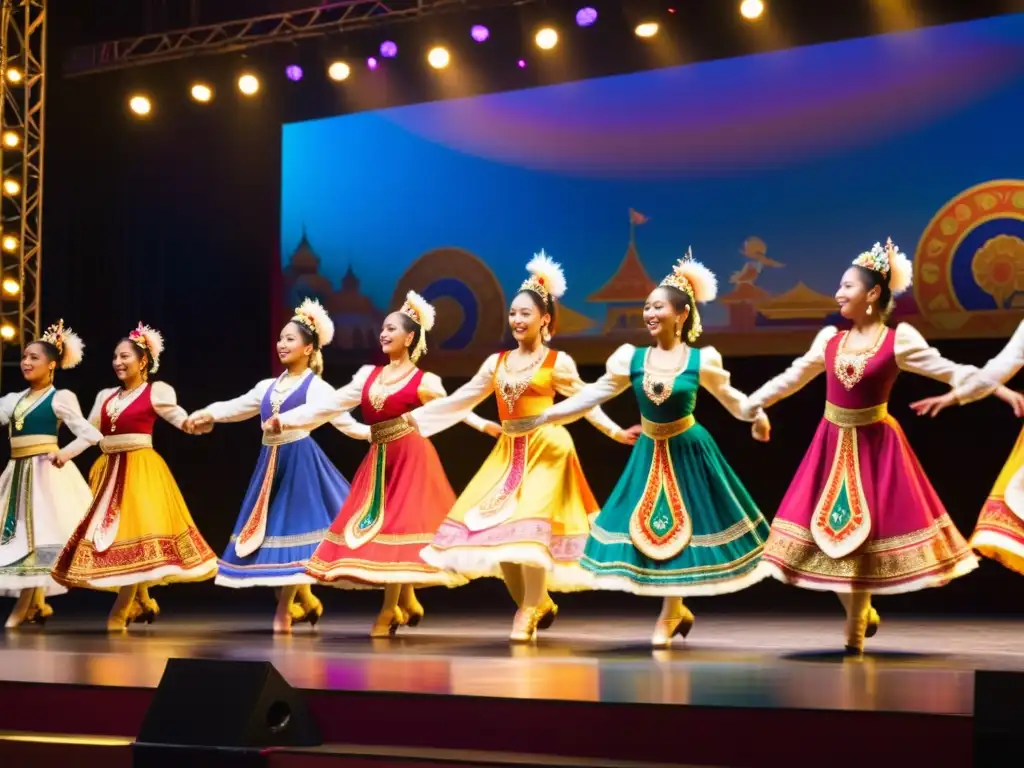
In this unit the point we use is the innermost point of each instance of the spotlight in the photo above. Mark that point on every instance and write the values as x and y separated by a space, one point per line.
439 57
15 75
7 331
11 286
10 243
201 93
371 63
293 72
248 84
479 33
11 139
389 49
338 71
647 29
585 17
140 105
521 64
751 9
546 38
12 186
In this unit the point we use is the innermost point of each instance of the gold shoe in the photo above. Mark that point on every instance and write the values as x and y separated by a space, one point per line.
118 621
388 622
856 631
524 626
297 612
548 613
413 610
312 608
666 629
148 610
873 621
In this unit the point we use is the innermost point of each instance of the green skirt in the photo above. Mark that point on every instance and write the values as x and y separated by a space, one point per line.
728 530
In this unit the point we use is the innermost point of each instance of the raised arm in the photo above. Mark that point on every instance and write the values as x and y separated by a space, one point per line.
716 380
914 354
165 403
67 409
432 388
996 372
7 405
326 405
567 382
444 412
321 391
800 373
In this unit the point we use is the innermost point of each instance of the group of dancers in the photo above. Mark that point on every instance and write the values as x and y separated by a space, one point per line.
860 517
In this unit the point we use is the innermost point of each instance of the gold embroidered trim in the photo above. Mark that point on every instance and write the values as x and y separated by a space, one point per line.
293 540
657 430
850 418
937 528
735 531
38 449
390 430
125 442
288 436
849 366
519 427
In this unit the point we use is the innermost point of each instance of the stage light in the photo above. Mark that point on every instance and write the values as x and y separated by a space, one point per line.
751 9
293 72
585 17
546 38
389 49
15 75
248 84
338 71
479 33
12 186
11 286
647 29
371 63
201 93
438 57
11 139
521 64
10 243
140 105
7 331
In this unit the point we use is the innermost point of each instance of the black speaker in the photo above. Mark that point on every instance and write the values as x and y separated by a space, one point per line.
998 712
230 705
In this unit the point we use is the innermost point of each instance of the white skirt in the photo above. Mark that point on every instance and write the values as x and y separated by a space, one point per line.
48 503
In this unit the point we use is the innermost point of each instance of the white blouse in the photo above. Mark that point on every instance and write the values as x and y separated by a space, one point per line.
996 372
66 408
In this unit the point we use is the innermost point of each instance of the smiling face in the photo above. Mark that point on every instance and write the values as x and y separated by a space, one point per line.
293 347
128 359
36 364
395 340
854 295
526 318
663 315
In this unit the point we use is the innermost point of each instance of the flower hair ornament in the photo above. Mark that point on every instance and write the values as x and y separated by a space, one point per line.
421 312
312 315
696 281
889 261
150 341
547 280
69 345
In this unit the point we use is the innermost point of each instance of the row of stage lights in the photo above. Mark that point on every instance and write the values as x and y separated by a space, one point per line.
9 286
438 56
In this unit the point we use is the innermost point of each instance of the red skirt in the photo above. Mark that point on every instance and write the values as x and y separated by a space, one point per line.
399 498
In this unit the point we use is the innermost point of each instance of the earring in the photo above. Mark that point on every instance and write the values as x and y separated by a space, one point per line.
545 334
869 309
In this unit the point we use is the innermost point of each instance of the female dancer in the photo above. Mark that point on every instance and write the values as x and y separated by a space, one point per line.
295 489
999 534
679 522
41 499
137 532
860 517
526 513
400 493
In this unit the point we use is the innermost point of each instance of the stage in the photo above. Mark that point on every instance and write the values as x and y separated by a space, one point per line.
742 691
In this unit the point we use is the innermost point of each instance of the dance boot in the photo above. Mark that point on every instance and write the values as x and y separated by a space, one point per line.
856 629
123 613
874 620
312 608
548 613
677 623
524 626
411 606
388 621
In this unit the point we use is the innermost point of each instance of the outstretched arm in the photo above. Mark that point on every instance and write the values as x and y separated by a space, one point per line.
7 404
327 404
717 380
800 373
567 382
238 409
915 355
165 403
432 388
321 391
444 412
67 409
613 382
996 372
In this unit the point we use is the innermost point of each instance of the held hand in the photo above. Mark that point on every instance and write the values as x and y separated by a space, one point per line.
189 426
933 406
761 429
58 460
272 426
1014 399
629 436
492 429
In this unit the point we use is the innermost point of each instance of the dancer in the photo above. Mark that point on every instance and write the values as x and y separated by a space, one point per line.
525 515
400 493
41 499
679 523
295 490
999 533
860 517
137 532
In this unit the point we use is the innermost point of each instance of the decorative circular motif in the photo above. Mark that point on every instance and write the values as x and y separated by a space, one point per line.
964 257
457 282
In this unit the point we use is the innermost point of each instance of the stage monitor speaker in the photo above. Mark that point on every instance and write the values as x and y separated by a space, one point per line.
232 704
998 712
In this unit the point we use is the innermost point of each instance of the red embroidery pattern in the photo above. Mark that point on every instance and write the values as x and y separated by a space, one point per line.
186 551
510 483
256 525
845 471
113 511
676 532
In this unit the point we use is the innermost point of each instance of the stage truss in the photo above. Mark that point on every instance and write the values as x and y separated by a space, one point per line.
22 51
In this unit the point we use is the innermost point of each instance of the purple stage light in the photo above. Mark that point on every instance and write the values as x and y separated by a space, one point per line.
521 63
371 63
479 33
586 16
293 72
388 49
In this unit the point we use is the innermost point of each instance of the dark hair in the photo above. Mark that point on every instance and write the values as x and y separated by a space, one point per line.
680 301
870 278
139 352
544 306
50 350
316 360
410 326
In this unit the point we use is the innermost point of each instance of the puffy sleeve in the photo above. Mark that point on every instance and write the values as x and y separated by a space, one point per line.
95 415
432 388
240 408
67 409
165 403
7 405
997 371
321 391
800 373
613 382
326 404
444 412
567 382
913 354
716 380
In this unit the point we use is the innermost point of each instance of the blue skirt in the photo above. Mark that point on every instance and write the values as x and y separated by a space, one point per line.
306 493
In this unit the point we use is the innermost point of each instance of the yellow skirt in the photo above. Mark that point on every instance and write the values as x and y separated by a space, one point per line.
530 504
137 531
999 534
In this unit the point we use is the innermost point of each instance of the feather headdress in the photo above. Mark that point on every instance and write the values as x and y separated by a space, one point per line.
69 345
546 278
421 312
311 314
151 341
696 281
891 262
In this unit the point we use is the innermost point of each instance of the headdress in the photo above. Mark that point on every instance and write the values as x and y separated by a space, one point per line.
69 345
696 281
311 315
151 341
546 278
421 312
890 262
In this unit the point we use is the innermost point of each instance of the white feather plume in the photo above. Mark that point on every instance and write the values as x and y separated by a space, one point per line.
313 311
901 271
152 340
423 310
72 351
702 280
548 273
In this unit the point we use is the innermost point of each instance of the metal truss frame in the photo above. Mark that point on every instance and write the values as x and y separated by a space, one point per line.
288 26
22 114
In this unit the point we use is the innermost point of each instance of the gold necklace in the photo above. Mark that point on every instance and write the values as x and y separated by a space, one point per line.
849 366
658 382
381 390
279 394
24 406
512 383
117 404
